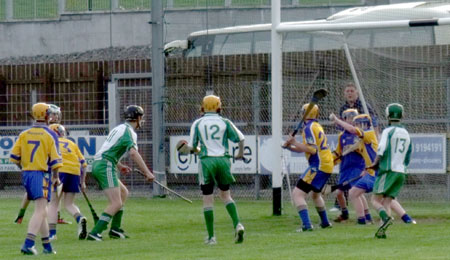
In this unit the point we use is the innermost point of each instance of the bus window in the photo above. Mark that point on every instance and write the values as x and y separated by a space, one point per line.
228 44
199 45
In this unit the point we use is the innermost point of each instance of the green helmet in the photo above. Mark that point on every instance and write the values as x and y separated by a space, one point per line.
394 112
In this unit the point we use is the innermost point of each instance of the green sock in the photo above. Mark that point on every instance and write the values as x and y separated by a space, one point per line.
117 220
209 220
102 223
231 208
22 212
383 214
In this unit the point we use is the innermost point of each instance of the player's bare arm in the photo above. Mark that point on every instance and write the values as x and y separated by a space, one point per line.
343 124
123 169
137 158
83 179
295 146
240 154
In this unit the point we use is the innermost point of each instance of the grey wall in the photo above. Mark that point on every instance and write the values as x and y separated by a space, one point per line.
84 32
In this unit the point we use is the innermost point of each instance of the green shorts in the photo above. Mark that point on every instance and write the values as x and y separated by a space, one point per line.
389 184
215 169
105 172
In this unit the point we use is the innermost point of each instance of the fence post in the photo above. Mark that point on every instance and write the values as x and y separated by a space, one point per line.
256 112
112 105
9 10
61 6
114 5
448 139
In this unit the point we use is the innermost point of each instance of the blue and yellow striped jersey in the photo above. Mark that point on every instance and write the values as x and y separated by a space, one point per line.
347 150
368 147
314 135
71 156
37 149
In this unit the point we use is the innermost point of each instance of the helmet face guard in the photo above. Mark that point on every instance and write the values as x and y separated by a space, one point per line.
349 114
211 103
59 130
363 120
55 114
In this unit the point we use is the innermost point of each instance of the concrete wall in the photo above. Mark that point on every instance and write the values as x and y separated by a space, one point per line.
96 30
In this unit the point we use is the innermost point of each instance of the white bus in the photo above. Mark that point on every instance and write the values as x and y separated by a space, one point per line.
253 39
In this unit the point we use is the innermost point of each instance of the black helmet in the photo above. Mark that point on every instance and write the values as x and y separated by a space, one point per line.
132 112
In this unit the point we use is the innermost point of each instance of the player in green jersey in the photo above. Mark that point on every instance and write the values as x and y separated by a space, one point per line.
122 139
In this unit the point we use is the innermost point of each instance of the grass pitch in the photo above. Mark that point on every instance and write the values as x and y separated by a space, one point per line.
173 229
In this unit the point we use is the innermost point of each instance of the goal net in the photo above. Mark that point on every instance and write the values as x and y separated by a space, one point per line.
407 65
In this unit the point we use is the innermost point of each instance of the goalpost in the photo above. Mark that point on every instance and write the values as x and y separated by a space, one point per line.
388 61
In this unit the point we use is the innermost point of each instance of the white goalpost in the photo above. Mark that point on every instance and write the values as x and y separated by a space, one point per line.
388 60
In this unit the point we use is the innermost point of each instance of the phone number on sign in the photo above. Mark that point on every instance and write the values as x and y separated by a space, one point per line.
427 147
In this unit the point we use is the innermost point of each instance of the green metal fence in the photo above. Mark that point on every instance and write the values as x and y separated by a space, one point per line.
49 9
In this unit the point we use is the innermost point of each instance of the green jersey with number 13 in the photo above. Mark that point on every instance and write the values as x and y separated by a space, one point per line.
394 149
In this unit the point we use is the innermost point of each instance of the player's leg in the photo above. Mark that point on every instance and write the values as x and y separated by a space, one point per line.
367 214
53 215
355 195
34 226
45 234
340 196
208 212
299 197
400 211
105 174
23 208
321 210
69 198
230 205
116 223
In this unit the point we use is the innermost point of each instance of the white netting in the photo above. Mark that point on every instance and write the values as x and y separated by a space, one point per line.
391 65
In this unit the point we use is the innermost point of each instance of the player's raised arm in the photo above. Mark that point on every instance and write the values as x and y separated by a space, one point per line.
350 128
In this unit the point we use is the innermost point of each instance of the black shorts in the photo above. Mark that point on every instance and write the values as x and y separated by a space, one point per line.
306 187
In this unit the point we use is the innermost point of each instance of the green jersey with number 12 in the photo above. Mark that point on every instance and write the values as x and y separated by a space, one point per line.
394 149
212 133
119 141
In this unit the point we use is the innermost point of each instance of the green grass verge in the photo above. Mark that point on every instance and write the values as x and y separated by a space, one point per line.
173 229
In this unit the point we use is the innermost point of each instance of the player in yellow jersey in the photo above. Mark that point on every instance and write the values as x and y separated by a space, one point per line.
366 150
320 161
54 118
72 175
34 152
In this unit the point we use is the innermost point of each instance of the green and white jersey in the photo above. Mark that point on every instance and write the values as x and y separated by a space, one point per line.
212 133
119 141
394 149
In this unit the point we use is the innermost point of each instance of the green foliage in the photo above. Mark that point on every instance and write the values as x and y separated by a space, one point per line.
173 229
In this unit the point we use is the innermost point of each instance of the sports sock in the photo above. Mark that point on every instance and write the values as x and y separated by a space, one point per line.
344 213
323 216
383 214
29 241
46 244
52 229
362 220
209 221
304 216
406 218
117 220
77 217
368 216
232 210
102 223
21 213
